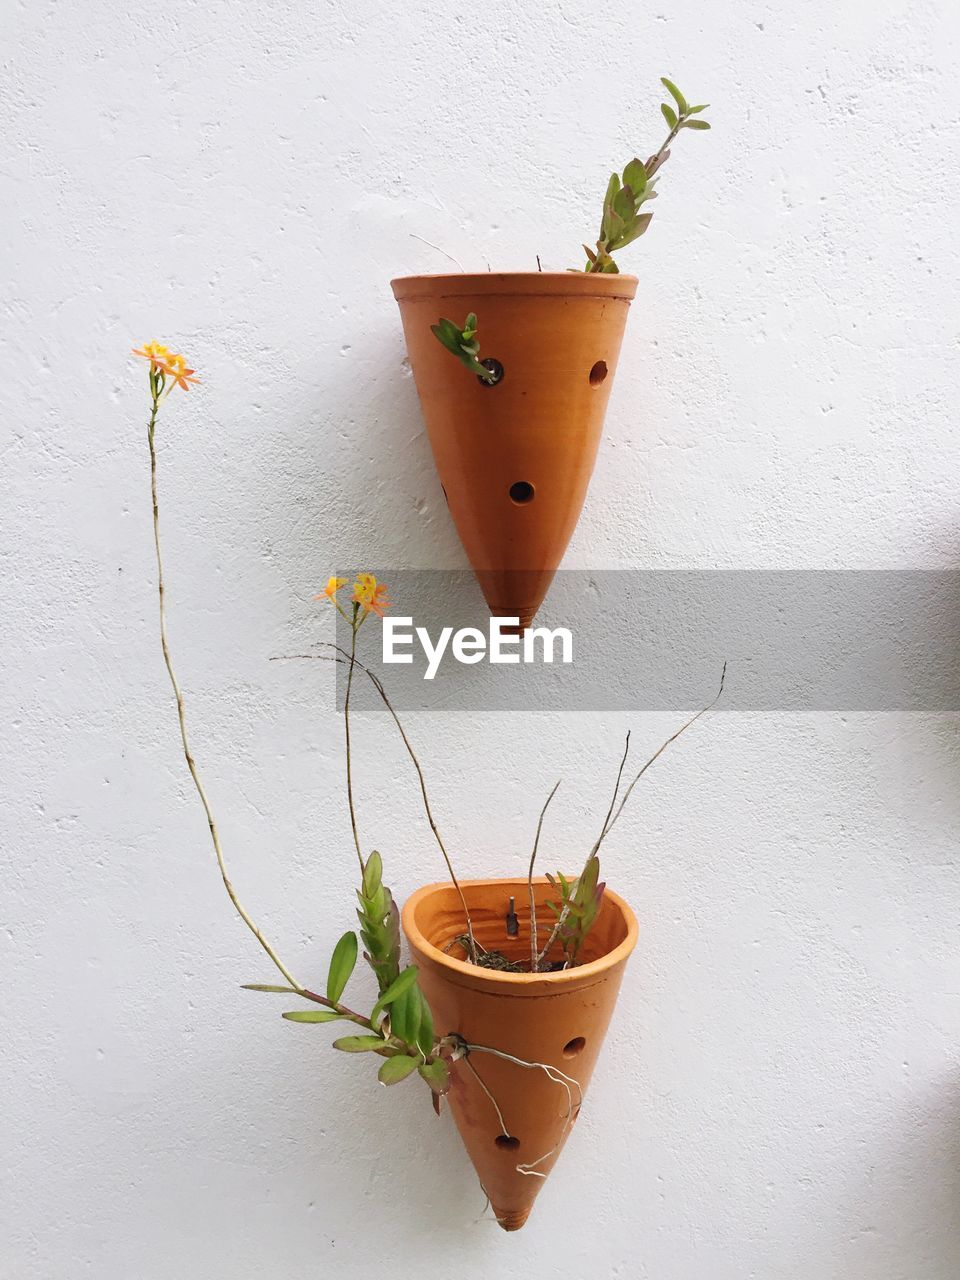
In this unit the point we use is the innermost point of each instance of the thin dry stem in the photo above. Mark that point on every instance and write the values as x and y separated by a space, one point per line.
616 792
533 903
378 685
188 754
346 735
608 825
673 737
297 988
603 831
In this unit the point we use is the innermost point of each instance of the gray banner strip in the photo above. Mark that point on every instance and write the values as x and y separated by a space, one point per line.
794 640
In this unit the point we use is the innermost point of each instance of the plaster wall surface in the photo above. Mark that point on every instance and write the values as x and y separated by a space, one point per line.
779 1097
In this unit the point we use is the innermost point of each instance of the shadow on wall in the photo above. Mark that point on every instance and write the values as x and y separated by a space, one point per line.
351 483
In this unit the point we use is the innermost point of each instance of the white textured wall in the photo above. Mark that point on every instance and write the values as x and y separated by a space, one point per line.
780 1098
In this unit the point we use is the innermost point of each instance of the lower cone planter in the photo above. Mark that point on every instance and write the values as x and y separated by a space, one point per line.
515 458
555 1019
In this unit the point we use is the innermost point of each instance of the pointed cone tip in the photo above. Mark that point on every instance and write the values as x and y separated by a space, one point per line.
511 1221
525 615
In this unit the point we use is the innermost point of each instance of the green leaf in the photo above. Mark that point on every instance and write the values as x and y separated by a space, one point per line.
372 874
437 1075
425 1034
396 1069
591 874
635 177
405 1015
312 1015
692 111
396 989
623 204
447 333
342 964
634 231
613 186
675 93
695 124
262 986
360 1044
669 114
613 225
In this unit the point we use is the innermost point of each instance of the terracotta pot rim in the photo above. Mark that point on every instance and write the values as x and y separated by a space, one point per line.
517 984
578 284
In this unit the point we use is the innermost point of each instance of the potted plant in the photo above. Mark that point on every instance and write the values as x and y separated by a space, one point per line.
514 395
513 982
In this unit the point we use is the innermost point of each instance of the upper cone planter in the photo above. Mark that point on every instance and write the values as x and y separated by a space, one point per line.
515 458
557 1020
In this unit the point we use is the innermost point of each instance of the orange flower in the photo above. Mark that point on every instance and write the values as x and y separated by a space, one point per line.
153 351
331 589
176 367
370 594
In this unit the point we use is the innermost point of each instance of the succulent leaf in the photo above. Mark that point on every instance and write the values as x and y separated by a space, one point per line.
342 963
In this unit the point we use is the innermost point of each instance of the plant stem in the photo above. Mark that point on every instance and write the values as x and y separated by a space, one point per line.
656 160
188 754
342 1009
673 737
533 903
346 732
378 685
608 824
562 918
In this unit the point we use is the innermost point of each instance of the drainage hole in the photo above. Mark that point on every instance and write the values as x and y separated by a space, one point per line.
521 491
574 1046
598 373
496 368
506 1142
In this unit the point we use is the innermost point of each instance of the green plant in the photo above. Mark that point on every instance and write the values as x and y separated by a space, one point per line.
464 345
624 219
399 1029
577 909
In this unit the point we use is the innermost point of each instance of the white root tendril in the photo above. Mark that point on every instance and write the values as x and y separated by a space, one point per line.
496 1106
530 1169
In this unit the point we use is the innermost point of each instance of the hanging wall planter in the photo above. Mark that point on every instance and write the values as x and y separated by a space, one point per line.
514 1118
504 1008
515 455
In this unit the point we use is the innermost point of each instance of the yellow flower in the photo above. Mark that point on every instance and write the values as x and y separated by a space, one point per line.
331 589
165 362
370 594
176 367
153 351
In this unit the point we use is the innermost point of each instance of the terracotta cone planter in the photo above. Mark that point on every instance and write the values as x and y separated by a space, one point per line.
515 459
555 1018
